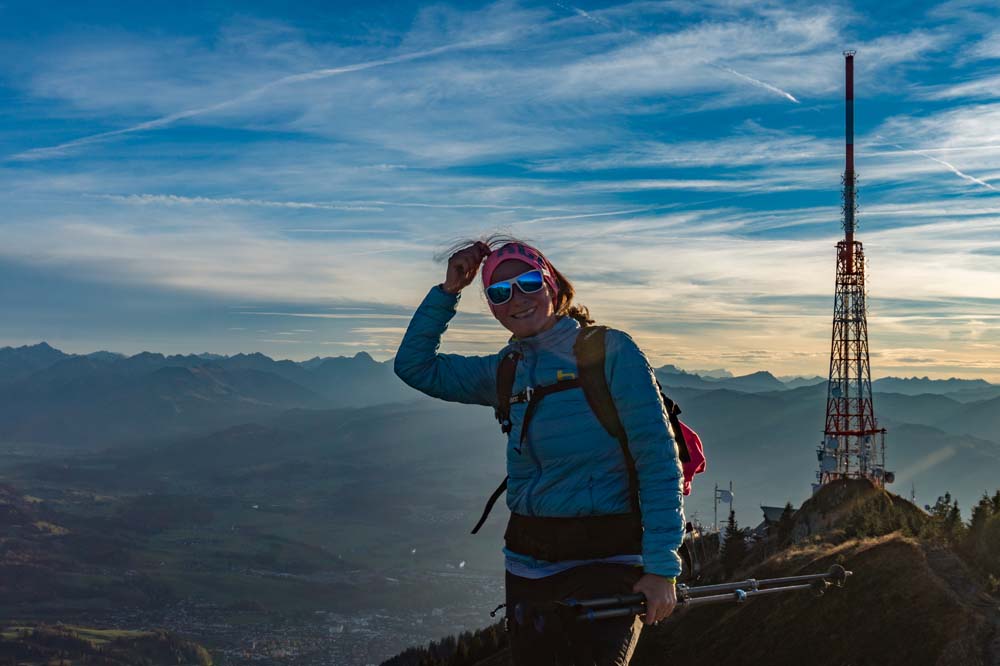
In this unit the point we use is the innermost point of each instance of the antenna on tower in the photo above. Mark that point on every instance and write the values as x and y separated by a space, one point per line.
853 445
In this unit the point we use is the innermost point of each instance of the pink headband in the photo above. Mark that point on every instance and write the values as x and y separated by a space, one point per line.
520 252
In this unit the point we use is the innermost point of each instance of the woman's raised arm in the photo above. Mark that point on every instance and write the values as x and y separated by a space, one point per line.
452 377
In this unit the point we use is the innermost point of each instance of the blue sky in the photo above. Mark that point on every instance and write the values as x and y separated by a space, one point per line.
250 177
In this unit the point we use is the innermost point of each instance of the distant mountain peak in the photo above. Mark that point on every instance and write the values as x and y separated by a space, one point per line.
364 356
105 356
145 355
717 373
255 356
39 347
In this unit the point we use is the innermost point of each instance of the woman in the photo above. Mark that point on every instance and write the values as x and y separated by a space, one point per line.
566 472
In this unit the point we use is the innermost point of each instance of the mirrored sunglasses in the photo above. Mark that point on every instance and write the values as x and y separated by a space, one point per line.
499 293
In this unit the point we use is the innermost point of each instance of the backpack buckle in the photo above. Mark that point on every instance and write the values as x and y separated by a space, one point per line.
523 396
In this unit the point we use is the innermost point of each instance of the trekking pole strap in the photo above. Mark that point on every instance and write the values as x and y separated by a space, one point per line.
501 489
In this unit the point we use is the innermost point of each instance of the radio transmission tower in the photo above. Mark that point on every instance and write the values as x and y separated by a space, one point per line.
853 444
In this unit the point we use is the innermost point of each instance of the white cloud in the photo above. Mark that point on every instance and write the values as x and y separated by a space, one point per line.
987 48
984 87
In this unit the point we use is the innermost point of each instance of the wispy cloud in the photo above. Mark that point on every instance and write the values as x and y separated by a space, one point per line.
267 88
582 216
174 199
325 315
987 87
339 230
360 205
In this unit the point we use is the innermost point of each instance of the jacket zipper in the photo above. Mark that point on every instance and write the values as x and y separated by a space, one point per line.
531 449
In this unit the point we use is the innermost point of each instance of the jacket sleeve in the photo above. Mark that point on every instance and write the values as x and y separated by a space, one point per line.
452 377
651 442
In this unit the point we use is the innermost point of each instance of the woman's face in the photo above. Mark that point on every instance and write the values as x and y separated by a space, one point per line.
524 314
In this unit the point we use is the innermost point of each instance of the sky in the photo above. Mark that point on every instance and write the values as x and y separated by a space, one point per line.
234 177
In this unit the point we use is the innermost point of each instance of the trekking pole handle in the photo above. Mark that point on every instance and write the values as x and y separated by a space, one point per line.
608 613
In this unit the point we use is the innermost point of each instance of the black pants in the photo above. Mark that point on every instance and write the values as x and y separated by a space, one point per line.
541 637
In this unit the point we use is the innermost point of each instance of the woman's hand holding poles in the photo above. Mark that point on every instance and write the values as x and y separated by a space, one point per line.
661 596
463 266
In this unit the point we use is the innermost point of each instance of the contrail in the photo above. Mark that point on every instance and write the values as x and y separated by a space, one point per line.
954 169
42 153
590 17
951 167
359 204
143 199
757 82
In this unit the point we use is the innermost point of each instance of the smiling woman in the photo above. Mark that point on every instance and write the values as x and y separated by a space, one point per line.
578 525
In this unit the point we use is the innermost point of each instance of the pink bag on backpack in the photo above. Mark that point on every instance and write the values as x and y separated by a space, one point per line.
696 454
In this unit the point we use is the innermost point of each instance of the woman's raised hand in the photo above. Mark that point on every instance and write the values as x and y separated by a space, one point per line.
463 266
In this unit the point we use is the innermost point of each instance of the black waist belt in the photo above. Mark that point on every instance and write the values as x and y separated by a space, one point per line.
579 538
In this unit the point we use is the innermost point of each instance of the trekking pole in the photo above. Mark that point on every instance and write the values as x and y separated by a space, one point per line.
635 604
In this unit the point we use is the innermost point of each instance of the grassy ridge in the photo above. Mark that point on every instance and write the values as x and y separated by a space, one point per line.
67 645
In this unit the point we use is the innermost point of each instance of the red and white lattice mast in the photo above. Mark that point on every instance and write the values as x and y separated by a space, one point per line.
853 444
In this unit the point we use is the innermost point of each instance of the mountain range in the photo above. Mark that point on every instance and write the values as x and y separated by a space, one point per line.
109 399
759 431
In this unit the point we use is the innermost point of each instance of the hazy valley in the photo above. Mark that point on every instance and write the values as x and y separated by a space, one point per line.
319 512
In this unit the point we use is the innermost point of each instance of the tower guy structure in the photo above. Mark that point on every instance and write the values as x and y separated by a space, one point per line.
853 444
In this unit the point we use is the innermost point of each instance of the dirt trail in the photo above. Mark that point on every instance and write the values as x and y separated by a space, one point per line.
954 572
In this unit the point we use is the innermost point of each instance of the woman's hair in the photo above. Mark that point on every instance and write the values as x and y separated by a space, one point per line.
564 301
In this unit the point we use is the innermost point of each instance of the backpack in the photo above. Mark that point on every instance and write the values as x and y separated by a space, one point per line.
590 354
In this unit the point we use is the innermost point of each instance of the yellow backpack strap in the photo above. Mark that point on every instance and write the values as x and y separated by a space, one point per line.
590 354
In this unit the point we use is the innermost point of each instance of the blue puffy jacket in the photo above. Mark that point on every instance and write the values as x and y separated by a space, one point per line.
569 464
